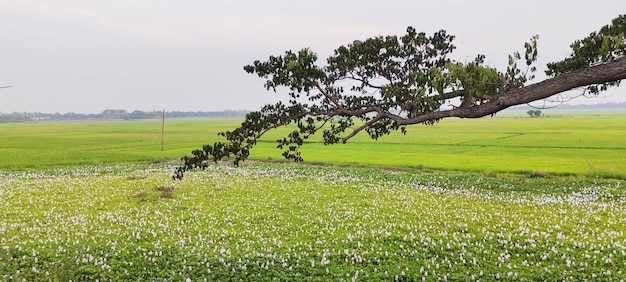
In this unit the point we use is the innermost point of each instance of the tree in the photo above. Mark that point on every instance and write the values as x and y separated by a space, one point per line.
389 82
534 113
114 114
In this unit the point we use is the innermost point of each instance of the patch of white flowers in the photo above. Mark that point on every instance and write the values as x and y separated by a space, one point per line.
258 221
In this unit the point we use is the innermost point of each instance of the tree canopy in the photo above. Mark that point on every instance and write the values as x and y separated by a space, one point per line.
384 83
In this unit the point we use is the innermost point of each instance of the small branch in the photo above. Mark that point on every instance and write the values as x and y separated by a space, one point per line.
544 107
354 113
325 93
449 95
323 124
364 81
360 128
282 123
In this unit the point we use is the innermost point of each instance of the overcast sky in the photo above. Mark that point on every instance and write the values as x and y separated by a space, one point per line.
86 56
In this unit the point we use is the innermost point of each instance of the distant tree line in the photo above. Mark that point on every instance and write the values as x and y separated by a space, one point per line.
599 106
112 114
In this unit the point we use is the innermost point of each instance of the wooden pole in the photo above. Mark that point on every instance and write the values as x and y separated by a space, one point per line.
163 130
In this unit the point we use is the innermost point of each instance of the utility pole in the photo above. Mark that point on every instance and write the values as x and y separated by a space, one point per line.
9 86
163 130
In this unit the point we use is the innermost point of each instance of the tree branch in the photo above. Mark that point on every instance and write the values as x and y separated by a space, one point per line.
325 93
449 95
612 71
406 69
360 128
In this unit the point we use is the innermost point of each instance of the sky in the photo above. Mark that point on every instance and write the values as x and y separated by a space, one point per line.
85 56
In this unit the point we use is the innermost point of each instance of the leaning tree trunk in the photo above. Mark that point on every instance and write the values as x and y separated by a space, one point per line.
612 71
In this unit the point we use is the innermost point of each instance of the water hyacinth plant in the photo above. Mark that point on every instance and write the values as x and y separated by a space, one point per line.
273 222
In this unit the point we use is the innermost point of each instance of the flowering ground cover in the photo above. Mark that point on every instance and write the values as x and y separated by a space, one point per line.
272 222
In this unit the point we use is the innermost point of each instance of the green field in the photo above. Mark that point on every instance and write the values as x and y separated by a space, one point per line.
506 198
580 143
266 222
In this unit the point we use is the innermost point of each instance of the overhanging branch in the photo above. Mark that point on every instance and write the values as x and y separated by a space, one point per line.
611 71
418 65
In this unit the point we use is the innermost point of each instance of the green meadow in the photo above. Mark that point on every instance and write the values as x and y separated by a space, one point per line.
505 198
565 143
272 222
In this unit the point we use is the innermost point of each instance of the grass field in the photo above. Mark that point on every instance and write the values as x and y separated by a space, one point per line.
266 222
79 201
581 143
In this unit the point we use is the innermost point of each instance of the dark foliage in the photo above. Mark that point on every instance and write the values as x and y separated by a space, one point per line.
384 83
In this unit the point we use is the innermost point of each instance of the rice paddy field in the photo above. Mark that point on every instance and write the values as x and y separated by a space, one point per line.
564 143
95 201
